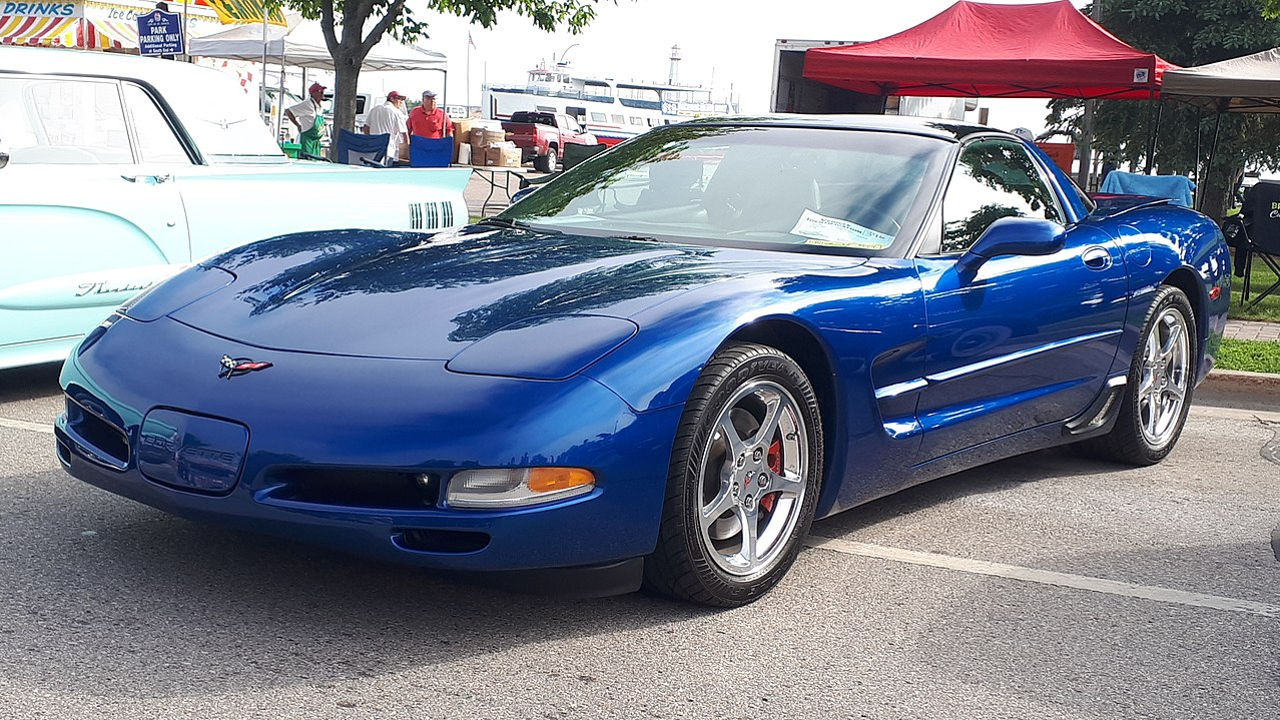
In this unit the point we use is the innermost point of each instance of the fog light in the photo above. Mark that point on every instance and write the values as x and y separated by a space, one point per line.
513 487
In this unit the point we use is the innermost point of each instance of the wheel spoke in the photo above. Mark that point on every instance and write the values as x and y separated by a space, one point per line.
772 414
730 434
787 483
1175 392
1171 343
1146 384
1153 346
722 502
750 533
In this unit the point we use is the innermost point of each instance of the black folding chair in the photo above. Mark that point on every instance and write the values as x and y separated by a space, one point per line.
1260 239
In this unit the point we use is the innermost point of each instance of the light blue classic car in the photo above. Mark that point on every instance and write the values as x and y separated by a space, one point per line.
116 172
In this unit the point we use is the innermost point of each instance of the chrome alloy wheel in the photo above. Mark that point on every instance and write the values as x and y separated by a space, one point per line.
1162 389
753 478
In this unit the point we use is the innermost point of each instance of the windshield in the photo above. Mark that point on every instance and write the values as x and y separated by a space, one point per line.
844 191
223 120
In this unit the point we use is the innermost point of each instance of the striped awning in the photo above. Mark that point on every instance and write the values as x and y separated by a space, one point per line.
46 31
104 26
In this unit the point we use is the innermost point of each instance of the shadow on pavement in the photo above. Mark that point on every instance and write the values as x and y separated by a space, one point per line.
31 382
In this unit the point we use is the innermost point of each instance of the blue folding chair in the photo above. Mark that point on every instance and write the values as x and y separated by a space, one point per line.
430 152
360 149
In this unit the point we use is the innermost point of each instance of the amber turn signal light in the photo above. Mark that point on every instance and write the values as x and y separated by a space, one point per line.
543 480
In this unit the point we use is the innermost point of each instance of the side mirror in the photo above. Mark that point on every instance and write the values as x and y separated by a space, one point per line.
1013 236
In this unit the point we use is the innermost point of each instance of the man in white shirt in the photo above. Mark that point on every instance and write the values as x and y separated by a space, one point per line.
389 118
309 120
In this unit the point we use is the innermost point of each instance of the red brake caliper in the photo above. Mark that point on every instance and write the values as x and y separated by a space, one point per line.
775 467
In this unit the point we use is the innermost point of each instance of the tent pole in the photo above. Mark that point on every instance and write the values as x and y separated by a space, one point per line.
262 85
1213 151
1199 149
1153 121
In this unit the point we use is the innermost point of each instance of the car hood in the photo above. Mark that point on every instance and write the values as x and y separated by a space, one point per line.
405 295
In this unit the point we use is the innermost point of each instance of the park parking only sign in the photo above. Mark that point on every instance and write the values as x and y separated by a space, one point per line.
160 33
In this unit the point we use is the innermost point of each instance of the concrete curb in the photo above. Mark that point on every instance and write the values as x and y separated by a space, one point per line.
1237 380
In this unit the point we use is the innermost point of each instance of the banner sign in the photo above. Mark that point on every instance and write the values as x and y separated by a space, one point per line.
42 9
245 11
160 33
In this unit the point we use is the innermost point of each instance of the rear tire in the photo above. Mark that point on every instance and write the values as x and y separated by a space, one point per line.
744 479
545 163
1158 393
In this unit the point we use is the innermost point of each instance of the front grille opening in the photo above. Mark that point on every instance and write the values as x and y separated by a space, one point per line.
102 435
378 489
442 541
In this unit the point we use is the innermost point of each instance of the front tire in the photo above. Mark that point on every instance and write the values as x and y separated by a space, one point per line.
1158 393
744 479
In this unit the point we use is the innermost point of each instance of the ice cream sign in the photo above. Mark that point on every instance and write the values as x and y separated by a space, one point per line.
160 33
41 9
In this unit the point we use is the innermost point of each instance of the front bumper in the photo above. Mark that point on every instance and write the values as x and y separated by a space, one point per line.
362 416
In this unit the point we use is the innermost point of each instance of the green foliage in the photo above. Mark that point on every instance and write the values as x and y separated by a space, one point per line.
1187 33
343 23
1249 355
1261 279
404 25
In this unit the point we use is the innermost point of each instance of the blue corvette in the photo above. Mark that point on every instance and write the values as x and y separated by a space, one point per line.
660 367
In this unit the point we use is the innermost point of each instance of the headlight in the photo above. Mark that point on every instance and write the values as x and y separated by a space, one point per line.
514 487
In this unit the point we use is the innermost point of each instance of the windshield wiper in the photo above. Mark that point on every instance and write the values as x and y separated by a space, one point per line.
515 224
642 238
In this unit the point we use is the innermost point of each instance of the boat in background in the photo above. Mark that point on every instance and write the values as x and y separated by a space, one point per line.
611 110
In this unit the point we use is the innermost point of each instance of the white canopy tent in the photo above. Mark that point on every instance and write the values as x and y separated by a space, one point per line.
305 47
1249 84
1244 84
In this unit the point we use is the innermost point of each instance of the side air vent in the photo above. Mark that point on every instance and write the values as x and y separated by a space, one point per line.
430 215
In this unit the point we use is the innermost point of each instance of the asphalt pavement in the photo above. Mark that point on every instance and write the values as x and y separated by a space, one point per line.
1046 586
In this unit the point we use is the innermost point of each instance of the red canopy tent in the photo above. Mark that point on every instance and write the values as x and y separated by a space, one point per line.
976 49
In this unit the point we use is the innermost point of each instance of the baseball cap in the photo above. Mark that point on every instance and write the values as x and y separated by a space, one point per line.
428 93
314 87
393 95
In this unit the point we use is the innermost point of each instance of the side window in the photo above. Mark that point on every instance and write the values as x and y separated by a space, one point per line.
156 141
598 117
62 121
993 179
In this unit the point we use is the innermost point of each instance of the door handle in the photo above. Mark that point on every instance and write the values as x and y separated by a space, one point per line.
154 179
1096 258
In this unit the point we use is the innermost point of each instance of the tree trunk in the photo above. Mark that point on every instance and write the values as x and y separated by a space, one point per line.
346 80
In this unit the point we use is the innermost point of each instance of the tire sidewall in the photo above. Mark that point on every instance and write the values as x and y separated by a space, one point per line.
772 365
1169 297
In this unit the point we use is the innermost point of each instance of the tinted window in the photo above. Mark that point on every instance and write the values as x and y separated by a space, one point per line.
156 141
847 192
993 179
52 120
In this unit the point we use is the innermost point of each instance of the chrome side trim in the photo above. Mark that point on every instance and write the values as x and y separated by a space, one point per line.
963 370
902 388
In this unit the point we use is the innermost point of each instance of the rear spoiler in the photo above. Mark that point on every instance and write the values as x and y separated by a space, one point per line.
1109 205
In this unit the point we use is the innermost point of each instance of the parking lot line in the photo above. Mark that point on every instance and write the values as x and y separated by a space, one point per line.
25 425
1044 577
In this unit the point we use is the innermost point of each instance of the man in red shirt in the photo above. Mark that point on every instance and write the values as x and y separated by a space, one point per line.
428 120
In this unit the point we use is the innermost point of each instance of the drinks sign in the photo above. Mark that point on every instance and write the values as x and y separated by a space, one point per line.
42 9
160 33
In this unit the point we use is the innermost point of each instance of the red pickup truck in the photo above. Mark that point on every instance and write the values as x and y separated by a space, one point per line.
541 137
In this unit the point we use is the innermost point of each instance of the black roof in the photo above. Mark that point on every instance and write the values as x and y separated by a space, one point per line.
932 127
